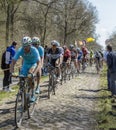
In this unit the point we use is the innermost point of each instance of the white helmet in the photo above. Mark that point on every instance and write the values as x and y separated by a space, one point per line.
56 43
26 41
35 40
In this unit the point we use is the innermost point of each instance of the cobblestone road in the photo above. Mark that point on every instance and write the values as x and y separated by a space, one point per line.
72 108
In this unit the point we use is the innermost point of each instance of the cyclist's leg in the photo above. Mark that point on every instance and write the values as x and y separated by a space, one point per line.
31 81
37 91
76 64
57 64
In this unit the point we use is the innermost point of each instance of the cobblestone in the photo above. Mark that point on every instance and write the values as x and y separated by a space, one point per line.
72 108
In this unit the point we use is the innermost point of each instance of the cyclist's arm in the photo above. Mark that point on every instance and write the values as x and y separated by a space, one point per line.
12 66
42 61
41 52
15 58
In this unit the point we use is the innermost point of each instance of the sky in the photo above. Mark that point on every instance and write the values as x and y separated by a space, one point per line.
107 18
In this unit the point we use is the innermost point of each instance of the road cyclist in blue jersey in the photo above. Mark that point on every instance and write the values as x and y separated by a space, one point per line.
31 61
36 43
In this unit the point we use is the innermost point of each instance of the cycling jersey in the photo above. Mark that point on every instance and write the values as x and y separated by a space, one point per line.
73 53
67 55
29 59
61 50
85 51
97 55
54 55
91 54
41 51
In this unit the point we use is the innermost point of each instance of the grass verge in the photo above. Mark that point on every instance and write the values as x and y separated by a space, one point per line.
106 116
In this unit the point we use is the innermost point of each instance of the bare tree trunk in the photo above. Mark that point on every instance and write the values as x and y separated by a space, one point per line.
45 26
7 25
12 21
65 32
65 26
45 23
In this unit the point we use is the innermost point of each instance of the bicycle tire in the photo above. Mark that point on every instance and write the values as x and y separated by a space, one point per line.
32 106
50 85
63 75
72 70
54 84
19 109
68 73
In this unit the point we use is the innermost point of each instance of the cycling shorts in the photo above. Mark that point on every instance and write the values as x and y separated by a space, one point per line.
26 67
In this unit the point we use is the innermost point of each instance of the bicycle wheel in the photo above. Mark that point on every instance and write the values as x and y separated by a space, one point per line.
55 83
72 70
31 105
50 85
19 109
62 75
68 73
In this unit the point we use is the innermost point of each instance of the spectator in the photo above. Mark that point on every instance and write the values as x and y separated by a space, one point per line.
108 74
9 54
111 63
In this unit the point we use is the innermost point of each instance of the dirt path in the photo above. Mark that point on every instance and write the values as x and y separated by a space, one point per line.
73 107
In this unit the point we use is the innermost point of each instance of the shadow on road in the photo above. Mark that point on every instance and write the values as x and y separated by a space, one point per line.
68 116
90 90
90 97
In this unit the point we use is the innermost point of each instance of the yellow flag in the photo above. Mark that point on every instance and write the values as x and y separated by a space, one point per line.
90 39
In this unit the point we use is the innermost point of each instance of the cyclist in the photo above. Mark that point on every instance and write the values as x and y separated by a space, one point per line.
54 55
91 57
74 56
84 60
31 61
36 43
79 57
97 60
67 55
85 52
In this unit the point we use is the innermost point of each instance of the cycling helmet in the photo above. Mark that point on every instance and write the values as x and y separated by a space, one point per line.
26 41
71 46
35 40
55 43
78 49
64 47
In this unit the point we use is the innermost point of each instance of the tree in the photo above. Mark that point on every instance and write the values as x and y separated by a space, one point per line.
74 19
10 7
112 40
